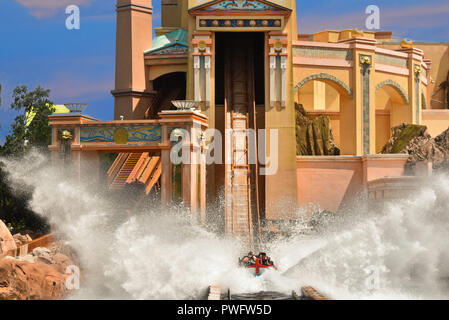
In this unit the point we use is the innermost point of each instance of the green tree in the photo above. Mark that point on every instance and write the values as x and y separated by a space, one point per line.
14 209
37 134
22 137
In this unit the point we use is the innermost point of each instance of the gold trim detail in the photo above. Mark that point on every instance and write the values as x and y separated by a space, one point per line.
121 136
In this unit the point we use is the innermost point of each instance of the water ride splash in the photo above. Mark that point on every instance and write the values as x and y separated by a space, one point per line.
160 254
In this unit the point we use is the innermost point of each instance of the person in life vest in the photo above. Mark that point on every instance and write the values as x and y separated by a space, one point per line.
264 259
248 260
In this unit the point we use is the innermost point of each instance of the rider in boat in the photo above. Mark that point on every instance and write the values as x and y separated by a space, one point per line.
258 264
264 259
248 260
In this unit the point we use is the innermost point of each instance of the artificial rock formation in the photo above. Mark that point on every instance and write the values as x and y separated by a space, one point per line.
7 242
40 275
417 142
21 239
442 141
314 137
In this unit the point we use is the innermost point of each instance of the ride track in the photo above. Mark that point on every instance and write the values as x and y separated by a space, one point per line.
307 293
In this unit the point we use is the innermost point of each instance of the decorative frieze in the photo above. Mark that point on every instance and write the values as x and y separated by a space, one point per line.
328 53
252 7
239 5
392 61
240 23
121 134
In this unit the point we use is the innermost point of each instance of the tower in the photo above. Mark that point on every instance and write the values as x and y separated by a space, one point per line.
134 34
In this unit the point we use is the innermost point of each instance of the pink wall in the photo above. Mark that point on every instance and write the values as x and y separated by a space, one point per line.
331 181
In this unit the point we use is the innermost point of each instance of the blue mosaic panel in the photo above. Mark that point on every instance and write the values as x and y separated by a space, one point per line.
143 133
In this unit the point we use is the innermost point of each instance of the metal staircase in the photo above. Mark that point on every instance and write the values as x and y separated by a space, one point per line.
132 167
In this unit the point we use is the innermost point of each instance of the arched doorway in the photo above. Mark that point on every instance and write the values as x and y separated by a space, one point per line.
392 108
170 86
324 94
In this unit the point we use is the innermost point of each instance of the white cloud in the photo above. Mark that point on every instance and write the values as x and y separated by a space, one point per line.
48 8
421 16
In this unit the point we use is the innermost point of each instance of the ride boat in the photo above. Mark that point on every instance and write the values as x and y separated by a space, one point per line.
257 268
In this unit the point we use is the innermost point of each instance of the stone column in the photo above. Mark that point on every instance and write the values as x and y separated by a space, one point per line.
190 181
364 94
415 58
166 182
203 185
193 162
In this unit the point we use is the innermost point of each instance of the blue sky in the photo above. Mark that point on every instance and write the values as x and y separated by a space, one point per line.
78 65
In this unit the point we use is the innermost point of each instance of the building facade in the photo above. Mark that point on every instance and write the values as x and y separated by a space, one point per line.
245 65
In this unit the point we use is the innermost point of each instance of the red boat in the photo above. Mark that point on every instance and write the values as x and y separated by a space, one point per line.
259 268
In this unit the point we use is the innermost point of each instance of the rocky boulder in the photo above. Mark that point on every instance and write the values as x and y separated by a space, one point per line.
36 276
442 142
24 280
21 239
314 137
7 242
415 141
43 254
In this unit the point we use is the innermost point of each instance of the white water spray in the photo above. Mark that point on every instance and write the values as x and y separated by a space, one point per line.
161 254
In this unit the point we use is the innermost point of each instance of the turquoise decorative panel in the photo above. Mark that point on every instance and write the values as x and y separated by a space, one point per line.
237 5
136 133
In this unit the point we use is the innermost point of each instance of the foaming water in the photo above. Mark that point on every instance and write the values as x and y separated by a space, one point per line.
400 253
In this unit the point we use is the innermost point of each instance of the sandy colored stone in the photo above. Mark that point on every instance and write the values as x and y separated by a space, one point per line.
22 280
21 239
7 241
